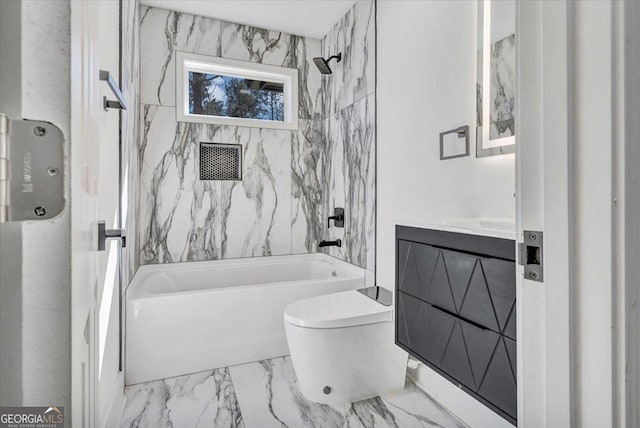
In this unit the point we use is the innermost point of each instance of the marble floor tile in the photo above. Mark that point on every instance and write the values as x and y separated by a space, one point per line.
205 399
412 407
265 394
268 397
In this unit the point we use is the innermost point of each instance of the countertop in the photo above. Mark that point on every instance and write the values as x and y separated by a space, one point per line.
494 227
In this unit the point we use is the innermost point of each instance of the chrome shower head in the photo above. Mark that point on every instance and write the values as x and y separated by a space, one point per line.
323 64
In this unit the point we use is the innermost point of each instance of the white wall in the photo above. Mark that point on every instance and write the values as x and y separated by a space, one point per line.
426 85
43 94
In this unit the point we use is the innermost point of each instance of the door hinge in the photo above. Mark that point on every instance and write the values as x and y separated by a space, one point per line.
31 170
530 255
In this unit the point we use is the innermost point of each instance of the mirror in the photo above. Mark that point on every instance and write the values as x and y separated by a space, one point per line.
496 78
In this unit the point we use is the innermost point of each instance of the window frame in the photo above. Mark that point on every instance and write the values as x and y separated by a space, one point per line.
190 62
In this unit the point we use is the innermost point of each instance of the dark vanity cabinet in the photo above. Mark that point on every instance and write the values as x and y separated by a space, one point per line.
456 311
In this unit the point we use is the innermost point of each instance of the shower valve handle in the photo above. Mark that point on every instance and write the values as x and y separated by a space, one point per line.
337 217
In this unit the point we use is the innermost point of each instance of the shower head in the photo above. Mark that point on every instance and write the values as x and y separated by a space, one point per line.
323 64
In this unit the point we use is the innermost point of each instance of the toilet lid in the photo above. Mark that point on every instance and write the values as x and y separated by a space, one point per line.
344 309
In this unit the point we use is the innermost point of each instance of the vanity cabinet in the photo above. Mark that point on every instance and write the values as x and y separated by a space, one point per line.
456 312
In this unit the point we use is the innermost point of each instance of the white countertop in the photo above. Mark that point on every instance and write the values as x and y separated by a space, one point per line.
504 228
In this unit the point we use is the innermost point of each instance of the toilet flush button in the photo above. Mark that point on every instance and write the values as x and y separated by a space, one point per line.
326 390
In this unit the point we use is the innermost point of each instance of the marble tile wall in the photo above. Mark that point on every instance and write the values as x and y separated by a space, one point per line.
291 179
354 77
349 133
182 218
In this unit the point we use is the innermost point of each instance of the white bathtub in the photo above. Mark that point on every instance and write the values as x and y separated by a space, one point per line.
188 317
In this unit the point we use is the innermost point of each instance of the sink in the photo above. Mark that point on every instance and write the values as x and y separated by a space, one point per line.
496 225
487 226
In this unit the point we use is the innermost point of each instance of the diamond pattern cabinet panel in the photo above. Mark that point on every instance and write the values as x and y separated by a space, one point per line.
479 289
511 353
510 329
456 310
426 259
477 305
412 324
481 345
501 281
440 293
499 383
459 266
408 315
423 329
455 361
441 326
408 279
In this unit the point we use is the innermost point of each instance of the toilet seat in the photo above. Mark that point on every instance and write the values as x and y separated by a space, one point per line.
336 310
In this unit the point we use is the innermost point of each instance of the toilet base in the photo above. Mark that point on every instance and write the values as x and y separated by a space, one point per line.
343 365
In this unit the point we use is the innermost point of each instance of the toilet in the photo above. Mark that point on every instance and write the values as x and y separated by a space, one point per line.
342 347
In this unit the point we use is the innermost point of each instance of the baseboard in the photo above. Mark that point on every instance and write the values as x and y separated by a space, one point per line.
462 405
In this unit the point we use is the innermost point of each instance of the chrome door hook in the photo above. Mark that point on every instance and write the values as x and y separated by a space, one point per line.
104 234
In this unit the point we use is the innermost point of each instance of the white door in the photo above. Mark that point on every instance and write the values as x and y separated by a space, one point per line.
542 186
573 365
97 382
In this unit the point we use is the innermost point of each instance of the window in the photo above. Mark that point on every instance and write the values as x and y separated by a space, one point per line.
239 93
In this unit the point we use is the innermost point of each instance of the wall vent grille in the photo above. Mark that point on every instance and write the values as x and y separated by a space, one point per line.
220 161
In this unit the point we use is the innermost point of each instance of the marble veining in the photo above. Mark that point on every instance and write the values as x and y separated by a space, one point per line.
188 219
180 217
256 214
350 167
164 32
292 180
269 397
178 211
354 77
502 105
307 186
264 394
205 399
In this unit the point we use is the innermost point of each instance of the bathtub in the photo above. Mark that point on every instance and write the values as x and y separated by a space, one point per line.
188 317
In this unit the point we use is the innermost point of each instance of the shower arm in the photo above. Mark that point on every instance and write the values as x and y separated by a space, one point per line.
337 57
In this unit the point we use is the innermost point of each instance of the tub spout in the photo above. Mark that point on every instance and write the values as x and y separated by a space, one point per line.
336 243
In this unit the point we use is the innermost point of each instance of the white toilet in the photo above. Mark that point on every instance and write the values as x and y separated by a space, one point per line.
342 347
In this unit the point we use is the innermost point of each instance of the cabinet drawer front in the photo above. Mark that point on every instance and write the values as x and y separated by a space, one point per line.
481 289
499 383
481 360
423 329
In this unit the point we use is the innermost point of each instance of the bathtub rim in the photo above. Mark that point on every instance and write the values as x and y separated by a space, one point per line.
146 271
